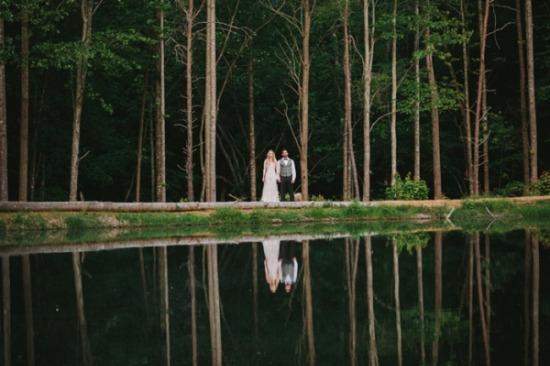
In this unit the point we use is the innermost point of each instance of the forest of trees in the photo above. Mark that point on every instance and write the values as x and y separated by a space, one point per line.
179 100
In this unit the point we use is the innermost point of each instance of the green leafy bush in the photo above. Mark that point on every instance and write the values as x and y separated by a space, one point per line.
407 189
542 186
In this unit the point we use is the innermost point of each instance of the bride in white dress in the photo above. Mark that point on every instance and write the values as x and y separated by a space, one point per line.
272 264
270 178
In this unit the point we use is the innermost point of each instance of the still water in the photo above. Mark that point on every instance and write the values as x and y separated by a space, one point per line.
432 297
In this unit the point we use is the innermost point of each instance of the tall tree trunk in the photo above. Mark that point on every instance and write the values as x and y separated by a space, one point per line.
210 109
304 101
251 127
523 97
308 304
6 308
3 123
417 99
24 128
393 114
189 87
531 91
466 118
373 356
87 12
368 36
434 100
160 139
141 136
29 319
480 113
397 302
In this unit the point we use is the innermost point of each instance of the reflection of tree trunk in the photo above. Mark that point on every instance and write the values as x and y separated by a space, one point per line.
536 292
471 299
164 304
27 290
255 293
86 353
6 309
481 299
420 286
438 244
397 302
526 298
488 285
143 281
352 258
308 304
193 296
373 356
214 305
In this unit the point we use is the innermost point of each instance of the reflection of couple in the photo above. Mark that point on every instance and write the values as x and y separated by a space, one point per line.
282 171
280 264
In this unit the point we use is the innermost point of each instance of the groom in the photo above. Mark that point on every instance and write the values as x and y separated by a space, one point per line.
288 176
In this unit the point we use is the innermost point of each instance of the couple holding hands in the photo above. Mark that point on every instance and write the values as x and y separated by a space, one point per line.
281 171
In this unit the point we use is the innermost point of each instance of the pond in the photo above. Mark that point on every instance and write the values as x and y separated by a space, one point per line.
447 297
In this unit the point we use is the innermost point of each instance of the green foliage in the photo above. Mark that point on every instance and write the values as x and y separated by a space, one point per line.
407 189
542 186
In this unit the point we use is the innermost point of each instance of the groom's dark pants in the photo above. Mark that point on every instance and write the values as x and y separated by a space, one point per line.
287 187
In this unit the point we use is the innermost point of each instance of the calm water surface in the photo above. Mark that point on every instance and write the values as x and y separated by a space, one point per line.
434 298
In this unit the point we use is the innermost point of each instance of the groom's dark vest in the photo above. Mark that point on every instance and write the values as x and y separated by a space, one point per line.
286 170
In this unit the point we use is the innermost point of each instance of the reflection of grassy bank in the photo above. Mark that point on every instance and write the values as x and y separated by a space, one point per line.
226 222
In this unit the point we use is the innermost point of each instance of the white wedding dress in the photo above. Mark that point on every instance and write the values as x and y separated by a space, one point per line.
270 192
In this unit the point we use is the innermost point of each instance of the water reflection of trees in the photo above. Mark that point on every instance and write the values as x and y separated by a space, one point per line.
387 322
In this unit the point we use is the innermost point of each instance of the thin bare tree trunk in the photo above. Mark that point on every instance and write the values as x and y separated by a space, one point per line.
304 101
488 285
523 97
189 87
531 91
160 134
3 123
471 267
434 97
86 11
466 102
24 128
252 128
84 340
368 36
255 292
29 319
210 103
308 303
347 137
6 308
417 101
141 137
393 114
373 355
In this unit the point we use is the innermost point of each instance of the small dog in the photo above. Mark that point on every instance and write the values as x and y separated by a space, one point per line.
297 197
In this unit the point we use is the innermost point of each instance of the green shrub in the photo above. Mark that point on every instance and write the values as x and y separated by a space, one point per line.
407 189
542 186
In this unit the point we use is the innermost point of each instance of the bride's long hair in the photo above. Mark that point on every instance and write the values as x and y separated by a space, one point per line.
270 157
